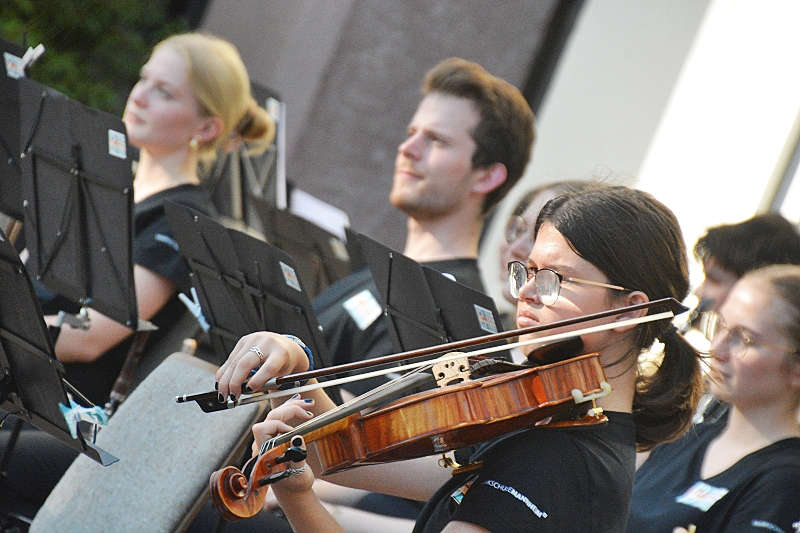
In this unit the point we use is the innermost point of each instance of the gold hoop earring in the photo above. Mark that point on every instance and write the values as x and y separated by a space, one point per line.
193 143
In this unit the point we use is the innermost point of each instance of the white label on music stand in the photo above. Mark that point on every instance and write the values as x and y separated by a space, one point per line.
364 309
339 249
116 144
290 276
14 67
485 319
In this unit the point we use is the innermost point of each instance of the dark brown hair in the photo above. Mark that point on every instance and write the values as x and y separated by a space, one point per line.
637 243
761 240
505 132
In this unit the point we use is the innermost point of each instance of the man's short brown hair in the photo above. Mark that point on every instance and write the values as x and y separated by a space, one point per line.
505 132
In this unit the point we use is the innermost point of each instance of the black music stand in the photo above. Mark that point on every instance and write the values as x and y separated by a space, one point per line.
243 284
425 307
321 256
31 378
78 201
10 173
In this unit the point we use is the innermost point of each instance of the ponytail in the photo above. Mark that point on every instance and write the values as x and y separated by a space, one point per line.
664 401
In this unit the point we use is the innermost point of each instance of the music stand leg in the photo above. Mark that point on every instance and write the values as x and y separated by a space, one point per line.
5 460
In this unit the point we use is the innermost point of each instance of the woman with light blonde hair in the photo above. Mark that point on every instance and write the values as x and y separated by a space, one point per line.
192 98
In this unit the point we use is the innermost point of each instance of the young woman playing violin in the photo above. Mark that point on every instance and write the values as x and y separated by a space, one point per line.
741 472
603 248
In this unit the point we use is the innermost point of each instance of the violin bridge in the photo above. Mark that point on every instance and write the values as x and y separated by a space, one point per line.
452 371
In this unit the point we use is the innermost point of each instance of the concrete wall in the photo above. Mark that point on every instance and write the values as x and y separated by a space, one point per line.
606 101
350 72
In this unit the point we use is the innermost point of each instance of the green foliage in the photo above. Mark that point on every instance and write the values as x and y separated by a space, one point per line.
94 48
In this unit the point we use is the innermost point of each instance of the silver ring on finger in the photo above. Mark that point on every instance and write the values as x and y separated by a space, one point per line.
256 350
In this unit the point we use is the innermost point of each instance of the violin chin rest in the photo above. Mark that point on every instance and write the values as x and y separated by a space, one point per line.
593 417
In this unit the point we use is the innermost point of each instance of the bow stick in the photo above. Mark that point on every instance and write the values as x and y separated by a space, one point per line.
208 401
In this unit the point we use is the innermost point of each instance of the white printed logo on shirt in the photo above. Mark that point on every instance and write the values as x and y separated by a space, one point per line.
363 308
518 495
769 526
702 496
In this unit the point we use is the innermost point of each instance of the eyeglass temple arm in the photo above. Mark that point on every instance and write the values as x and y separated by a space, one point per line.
596 283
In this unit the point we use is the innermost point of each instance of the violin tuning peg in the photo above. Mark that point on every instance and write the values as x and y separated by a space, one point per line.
293 454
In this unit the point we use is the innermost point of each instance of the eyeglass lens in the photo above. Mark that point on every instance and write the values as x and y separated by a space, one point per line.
515 228
737 340
546 282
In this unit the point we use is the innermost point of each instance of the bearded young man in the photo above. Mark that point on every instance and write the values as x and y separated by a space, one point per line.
467 144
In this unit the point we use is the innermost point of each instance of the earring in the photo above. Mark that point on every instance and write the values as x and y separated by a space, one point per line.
193 143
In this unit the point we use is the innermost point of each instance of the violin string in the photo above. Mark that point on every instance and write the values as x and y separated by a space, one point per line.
334 413
541 340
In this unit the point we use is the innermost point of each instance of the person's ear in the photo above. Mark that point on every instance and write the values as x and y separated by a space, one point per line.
628 299
490 178
209 129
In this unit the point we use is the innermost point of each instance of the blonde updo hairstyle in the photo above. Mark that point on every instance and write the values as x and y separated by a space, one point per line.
221 85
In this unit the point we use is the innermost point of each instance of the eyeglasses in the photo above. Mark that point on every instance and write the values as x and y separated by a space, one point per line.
517 227
546 281
738 338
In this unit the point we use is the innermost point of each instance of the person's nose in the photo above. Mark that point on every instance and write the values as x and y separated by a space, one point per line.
139 94
720 347
411 147
529 293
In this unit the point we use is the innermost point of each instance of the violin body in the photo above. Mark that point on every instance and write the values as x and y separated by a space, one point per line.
426 423
456 416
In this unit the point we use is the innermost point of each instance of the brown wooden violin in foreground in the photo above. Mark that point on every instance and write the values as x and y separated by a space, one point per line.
425 423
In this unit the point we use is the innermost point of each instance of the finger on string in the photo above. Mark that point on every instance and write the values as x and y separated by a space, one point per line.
295 408
268 429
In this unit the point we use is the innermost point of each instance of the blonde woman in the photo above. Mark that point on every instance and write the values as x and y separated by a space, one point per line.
193 95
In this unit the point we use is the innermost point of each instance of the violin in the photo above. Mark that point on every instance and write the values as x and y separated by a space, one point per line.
426 423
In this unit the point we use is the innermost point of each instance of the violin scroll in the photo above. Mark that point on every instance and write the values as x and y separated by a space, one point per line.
236 497
230 494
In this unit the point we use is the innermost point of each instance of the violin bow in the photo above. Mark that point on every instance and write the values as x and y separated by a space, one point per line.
208 401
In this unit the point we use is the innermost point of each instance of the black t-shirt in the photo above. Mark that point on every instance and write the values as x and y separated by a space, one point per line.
352 323
155 249
544 479
759 493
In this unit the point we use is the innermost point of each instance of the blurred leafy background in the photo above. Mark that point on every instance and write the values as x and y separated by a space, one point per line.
94 48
